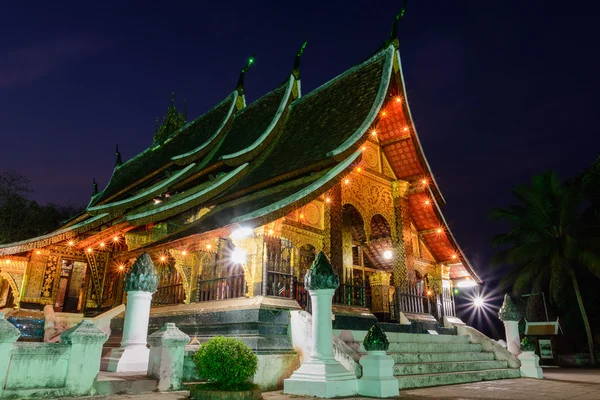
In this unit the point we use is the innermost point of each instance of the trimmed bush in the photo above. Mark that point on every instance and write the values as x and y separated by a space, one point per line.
226 363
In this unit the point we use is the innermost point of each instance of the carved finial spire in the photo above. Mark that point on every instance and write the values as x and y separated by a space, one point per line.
393 38
157 127
240 84
119 161
184 111
321 275
173 98
95 188
296 71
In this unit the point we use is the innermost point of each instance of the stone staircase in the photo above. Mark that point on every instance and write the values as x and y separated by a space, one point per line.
423 360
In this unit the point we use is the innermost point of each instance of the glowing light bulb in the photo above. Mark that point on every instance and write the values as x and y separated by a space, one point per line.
102 244
426 202
116 239
184 253
301 216
429 293
8 261
328 200
374 132
455 291
478 301
358 169
398 99
38 252
238 256
383 113
387 254
454 256
363 148
424 181
347 181
271 231
439 230
121 267
89 250
163 258
71 243
208 246
405 129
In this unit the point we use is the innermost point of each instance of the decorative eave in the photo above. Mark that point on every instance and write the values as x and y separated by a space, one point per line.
175 207
118 207
247 154
350 144
203 149
54 237
181 159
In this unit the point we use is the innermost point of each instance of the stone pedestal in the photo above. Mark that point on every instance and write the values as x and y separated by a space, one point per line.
530 365
321 375
8 336
167 348
509 314
378 378
133 355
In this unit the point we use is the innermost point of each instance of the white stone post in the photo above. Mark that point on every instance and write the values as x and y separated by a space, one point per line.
133 355
530 365
321 375
378 378
86 342
510 316
167 351
8 336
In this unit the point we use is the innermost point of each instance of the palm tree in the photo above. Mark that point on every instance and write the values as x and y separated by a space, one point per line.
550 241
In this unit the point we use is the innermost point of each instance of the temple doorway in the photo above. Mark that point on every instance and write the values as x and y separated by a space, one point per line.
170 284
70 286
223 276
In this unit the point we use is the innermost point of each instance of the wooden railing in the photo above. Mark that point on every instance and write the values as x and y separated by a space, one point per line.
413 300
171 294
228 287
279 284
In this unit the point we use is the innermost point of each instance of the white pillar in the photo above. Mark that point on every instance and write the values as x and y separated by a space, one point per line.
513 342
133 355
321 375
137 316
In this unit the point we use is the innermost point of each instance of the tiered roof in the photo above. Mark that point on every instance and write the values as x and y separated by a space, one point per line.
254 164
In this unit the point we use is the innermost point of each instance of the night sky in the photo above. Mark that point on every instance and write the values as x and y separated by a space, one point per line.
498 92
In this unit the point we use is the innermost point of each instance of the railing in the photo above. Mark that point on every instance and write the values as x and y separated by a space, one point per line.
302 297
413 300
171 294
229 287
448 302
279 284
350 295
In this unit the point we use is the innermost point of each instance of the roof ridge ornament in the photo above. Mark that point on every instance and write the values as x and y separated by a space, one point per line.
393 37
240 84
296 70
119 161
95 187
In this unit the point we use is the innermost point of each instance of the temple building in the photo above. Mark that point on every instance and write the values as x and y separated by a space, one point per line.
236 203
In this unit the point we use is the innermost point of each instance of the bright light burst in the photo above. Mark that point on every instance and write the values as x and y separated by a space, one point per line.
476 304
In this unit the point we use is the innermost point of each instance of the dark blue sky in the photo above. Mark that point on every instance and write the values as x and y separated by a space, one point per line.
498 92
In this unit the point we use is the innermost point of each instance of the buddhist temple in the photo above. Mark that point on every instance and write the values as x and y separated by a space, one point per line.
234 205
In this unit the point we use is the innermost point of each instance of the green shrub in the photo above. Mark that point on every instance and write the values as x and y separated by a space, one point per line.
226 362
527 344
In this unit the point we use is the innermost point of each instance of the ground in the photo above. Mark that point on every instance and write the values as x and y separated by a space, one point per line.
580 384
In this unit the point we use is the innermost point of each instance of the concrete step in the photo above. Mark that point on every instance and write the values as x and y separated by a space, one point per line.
438 368
425 347
110 383
451 378
410 358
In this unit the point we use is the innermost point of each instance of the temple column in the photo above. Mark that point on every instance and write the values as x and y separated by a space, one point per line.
403 269
321 375
133 355
333 241
380 288
509 314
